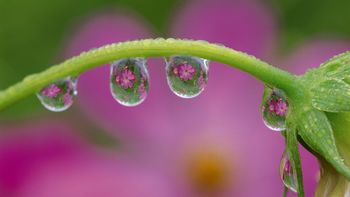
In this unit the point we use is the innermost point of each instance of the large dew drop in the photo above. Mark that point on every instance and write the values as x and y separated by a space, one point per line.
59 95
274 109
187 76
288 174
129 81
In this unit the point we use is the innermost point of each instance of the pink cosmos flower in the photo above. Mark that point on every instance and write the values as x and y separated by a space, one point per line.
51 91
125 79
281 107
186 71
204 146
49 159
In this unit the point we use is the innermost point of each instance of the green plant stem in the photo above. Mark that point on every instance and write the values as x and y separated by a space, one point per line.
148 48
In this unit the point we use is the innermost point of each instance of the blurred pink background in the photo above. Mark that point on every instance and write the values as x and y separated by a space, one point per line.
214 145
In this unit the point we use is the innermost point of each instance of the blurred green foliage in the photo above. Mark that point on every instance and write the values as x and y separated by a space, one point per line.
32 31
302 19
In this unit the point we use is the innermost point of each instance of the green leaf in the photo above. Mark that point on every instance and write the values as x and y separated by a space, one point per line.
342 72
315 129
294 156
337 60
337 67
331 96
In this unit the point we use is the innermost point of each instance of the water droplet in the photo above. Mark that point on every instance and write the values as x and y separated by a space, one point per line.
187 76
287 173
274 109
129 81
59 95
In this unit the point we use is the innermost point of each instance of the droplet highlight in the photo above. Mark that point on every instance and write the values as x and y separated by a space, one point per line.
274 109
129 81
58 96
287 173
187 76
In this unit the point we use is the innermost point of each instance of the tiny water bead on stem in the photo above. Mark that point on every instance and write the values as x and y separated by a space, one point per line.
129 81
187 76
274 109
58 96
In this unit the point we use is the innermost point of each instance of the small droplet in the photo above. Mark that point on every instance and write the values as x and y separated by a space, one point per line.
187 76
274 109
287 173
59 95
129 81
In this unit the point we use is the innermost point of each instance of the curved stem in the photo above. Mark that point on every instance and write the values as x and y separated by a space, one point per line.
148 48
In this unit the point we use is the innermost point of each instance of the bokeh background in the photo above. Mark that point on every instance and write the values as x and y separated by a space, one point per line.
212 145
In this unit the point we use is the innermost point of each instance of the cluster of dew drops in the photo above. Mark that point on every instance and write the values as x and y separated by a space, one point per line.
274 109
130 81
187 77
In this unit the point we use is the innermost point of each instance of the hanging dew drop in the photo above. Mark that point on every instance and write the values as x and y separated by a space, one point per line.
274 109
287 173
58 96
187 76
129 81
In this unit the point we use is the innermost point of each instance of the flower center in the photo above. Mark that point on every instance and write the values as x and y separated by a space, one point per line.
208 172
